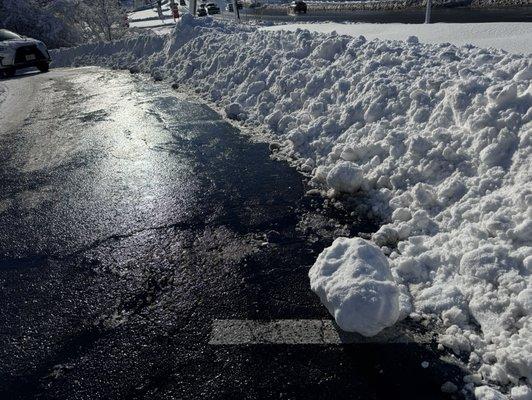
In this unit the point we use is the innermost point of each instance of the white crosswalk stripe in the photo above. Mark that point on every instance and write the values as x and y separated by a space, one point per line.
301 332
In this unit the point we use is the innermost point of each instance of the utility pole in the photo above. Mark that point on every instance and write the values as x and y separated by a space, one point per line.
427 12
192 7
235 9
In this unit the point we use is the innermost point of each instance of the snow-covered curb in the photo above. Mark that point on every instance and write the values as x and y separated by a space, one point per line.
437 136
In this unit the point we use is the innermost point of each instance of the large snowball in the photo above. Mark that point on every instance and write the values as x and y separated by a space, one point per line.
345 177
353 280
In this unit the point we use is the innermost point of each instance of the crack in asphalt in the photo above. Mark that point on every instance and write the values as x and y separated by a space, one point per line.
120 236
39 259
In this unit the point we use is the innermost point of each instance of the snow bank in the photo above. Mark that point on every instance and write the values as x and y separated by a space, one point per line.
513 37
438 137
354 282
147 52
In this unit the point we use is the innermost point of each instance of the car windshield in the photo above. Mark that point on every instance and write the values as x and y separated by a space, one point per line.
7 35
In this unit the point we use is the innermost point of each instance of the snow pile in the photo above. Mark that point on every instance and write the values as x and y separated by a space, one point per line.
514 37
354 282
438 137
146 52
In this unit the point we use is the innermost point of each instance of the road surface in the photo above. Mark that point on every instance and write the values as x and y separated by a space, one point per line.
417 16
141 234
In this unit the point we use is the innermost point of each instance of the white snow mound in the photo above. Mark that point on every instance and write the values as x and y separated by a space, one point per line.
353 280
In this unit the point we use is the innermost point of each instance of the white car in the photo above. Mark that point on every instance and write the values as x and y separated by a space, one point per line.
17 52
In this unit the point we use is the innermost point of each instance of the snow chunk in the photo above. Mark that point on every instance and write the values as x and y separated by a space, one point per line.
345 177
330 47
525 300
401 214
233 110
487 262
353 280
521 393
487 393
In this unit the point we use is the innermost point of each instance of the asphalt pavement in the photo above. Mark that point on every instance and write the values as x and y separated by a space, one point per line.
134 221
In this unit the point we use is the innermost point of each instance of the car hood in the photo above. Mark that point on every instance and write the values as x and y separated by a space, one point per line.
15 43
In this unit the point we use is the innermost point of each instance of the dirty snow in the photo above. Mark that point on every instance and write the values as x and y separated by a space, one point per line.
433 139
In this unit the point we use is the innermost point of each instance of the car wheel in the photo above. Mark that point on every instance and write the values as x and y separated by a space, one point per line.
44 67
8 73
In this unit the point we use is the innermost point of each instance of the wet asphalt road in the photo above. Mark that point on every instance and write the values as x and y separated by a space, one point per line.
130 219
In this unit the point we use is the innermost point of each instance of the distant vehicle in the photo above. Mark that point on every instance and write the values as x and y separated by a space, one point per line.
202 12
212 9
229 6
298 7
255 4
17 52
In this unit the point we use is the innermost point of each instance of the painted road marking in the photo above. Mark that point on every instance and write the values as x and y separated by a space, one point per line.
301 331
